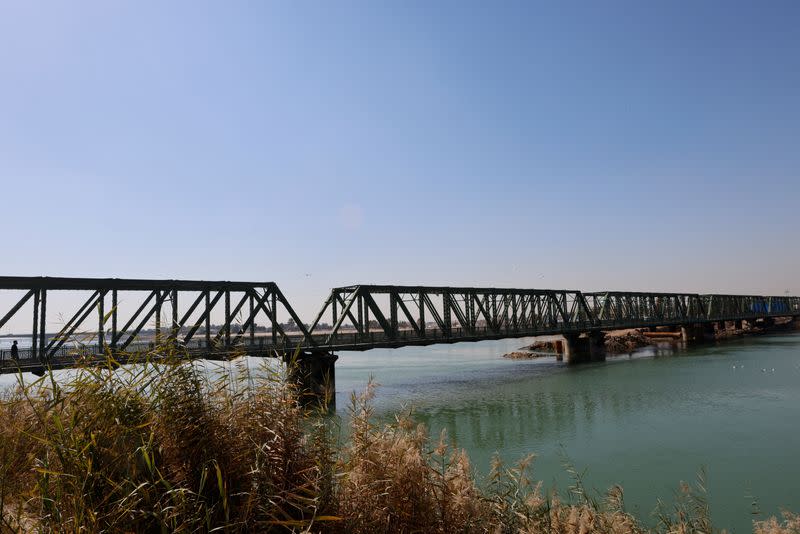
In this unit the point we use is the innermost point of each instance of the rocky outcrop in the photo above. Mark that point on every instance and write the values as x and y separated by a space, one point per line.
627 342
524 355
554 346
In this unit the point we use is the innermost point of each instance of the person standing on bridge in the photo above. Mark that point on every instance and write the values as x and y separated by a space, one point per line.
14 351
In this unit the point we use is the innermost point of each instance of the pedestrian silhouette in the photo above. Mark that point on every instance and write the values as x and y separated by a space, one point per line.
14 351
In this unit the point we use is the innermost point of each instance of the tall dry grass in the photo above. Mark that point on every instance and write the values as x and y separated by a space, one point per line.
161 447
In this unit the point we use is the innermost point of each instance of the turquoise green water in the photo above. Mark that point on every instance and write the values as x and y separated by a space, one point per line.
645 422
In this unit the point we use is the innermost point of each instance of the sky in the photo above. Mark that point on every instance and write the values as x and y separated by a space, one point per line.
617 145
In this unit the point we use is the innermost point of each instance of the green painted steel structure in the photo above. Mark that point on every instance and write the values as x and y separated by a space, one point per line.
127 318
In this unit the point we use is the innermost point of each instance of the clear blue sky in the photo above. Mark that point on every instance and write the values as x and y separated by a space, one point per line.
591 145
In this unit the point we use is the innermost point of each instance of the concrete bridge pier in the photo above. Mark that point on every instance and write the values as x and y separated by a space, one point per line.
559 346
708 331
693 333
580 348
314 373
576 349
597 346
687 333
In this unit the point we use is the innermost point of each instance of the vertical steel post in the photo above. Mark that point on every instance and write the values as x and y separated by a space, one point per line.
101 313
514 313
421 314
43 323
158 317
252 320
473 319
366 318
208 318
448 322
34 335
228 318
174 334
467 316
393 313
274 317
114 319
360 315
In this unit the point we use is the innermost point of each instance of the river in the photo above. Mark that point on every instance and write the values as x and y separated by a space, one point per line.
645 421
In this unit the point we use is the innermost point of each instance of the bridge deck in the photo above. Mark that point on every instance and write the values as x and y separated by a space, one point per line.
70 356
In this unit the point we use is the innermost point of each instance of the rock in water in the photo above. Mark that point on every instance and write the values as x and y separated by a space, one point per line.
520 355
627 342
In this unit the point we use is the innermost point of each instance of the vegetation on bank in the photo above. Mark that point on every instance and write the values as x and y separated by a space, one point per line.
164 448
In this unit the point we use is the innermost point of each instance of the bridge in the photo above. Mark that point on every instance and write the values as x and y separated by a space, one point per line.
128 318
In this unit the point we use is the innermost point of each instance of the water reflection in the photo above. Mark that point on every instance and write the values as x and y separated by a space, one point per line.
647 420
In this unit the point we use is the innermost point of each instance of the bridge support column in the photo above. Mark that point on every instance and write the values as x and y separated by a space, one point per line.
597 346
572 349
315 376
577 349
708 332
559 346
687 333
692 333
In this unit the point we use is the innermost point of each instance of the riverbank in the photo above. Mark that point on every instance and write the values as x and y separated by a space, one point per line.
164 448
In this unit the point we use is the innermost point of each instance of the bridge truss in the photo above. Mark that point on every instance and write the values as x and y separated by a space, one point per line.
133 316
216 319
378 315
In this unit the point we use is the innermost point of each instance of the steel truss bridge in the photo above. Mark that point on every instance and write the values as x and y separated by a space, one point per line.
215 320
